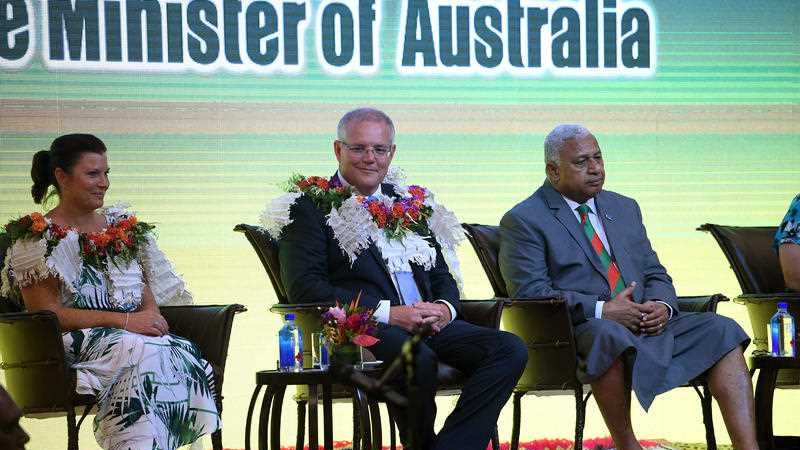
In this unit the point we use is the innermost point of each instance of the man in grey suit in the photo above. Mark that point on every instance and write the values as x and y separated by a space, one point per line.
572 238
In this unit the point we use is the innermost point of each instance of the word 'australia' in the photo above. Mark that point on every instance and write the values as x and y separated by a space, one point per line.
590 37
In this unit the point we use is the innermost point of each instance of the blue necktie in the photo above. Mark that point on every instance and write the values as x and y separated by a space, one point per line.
409 293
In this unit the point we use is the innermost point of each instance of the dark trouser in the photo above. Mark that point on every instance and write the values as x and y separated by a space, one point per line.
492 360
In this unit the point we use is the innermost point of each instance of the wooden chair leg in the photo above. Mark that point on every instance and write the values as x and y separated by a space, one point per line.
580 416
495 439
72 430
216 440
356 426
708 417
392 426
375 421
364 418
517 419
301 424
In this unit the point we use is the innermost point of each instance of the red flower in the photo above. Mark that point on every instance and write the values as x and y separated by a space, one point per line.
38 224
353 322
58 232
417 192
381 219
398 210
320 182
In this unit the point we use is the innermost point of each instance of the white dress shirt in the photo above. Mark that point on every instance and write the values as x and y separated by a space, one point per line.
381 312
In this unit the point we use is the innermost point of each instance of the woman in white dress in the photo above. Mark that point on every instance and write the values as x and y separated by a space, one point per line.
100 271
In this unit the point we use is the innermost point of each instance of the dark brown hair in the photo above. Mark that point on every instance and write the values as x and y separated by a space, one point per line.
65 151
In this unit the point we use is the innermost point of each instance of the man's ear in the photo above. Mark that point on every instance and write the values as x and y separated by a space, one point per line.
551 169
337 150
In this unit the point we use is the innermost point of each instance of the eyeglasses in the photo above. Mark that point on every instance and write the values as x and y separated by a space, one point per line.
380 151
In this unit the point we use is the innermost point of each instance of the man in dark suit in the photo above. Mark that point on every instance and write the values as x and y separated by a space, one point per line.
314 267
572 238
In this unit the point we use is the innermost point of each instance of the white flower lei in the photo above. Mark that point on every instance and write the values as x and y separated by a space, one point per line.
355 230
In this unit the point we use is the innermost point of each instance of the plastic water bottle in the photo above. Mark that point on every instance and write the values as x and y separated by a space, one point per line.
782 332
290 346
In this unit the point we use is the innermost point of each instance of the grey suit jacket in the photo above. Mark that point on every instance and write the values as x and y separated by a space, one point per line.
544 251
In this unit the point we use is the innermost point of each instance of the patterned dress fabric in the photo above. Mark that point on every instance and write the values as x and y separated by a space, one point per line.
154 393
789 229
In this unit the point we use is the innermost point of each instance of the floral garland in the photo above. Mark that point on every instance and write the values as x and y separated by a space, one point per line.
401 216
404 228
121 240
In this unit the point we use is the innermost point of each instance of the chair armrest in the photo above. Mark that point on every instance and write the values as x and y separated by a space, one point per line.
771 297
209 327
485 313
34 366
702 303
300 308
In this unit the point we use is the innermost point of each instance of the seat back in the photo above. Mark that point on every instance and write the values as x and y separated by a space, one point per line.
751 256
32 355
485 239
544 324
267 250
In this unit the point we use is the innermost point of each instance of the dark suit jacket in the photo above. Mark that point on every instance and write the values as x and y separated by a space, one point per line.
544 251
315 269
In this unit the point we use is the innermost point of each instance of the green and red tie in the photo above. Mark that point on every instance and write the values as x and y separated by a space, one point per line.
615 282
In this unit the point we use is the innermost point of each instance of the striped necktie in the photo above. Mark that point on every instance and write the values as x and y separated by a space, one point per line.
615 282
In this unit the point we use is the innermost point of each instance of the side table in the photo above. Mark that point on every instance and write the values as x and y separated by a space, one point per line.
269 424
271 405
765 390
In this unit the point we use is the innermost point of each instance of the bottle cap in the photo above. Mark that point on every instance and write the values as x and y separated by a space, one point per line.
783 305
289 316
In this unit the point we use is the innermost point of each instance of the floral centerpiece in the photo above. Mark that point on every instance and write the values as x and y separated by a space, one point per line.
348 327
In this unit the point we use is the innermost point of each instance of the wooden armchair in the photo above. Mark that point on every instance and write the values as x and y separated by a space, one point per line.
42 383
484 313
758 271
545 326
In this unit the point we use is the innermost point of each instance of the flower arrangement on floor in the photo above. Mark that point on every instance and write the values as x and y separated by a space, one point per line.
547 444
348 327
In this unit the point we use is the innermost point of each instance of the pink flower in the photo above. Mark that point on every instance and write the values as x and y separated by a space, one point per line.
336 313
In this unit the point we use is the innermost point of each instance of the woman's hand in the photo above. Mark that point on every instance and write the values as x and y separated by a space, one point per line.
148 322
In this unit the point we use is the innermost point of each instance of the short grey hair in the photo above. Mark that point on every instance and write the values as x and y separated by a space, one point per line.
363 115
554 142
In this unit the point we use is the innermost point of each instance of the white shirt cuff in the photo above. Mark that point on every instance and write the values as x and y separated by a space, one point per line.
598 309
667 305
381 313
450 307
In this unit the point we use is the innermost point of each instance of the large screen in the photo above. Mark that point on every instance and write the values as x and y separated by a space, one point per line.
208 106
